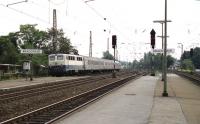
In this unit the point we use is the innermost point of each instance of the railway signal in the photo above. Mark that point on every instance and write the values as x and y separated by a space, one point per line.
153 33
114 44
114 41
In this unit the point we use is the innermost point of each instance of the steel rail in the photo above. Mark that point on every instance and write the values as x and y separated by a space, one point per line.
195 77
6 97
57 110
50 88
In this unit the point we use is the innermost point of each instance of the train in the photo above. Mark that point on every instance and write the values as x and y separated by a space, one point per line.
64 64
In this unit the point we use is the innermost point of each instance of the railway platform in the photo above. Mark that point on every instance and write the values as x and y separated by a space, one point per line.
8 84
140 102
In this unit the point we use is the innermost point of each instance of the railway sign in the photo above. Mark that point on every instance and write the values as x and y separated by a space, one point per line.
31 51
26 65
161 50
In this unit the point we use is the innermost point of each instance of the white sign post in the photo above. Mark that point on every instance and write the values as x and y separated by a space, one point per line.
28 65
161 51
31 51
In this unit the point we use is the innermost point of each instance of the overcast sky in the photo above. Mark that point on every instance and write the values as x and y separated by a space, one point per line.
130 20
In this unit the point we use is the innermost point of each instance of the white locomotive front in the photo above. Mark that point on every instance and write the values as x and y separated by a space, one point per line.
60 64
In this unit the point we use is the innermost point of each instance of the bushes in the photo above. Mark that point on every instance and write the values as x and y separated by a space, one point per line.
7 76
188 65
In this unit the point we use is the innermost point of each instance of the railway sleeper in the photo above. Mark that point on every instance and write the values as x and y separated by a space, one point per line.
74 102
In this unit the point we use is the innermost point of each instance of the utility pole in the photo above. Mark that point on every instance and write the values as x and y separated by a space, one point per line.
165 53
162 55
181 48
54 31
90 46
108 44
181 54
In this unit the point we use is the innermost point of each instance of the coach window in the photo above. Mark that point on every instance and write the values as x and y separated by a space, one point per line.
79 59
60 57
51 58
67 57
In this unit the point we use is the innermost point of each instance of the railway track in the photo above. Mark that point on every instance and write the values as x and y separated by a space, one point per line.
49 87
51 113
195 77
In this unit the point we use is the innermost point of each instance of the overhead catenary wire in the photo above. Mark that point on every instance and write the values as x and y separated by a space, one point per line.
57 4
43 7
32 16
16 3
24 13
105 19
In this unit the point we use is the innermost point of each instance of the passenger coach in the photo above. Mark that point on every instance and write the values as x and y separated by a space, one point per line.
60 64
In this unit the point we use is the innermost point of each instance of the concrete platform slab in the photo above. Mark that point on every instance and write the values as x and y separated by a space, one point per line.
188 96
181 107
167 110
130 104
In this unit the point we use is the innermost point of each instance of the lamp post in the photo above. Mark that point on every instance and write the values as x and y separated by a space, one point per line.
181 48
165 53
162 22
181 54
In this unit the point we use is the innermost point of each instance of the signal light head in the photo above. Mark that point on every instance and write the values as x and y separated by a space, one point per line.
114 41
153 39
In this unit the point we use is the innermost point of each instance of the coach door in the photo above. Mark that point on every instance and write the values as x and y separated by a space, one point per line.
67 62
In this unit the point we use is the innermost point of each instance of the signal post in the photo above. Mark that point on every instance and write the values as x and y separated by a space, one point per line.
153 39
114 45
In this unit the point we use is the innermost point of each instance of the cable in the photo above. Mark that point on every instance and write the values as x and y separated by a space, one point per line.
57 3
34 17
95 11
27 14
16 3
42 6
111 25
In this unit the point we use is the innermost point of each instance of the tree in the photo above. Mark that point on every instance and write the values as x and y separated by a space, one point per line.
187 65
29 37
63 43
170 61
150 60
135 64
107 55
8 52
195 58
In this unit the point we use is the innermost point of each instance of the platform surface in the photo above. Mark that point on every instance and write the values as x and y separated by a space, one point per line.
187 96
141 102
127 105
7 84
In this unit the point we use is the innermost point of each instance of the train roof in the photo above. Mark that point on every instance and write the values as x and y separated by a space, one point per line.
84 56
